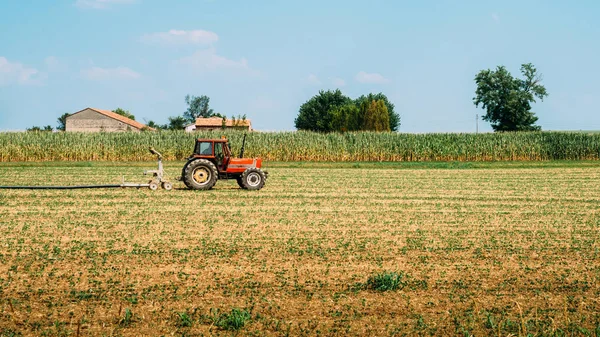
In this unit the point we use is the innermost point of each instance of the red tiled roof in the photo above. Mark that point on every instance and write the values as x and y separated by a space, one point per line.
120 118
218 121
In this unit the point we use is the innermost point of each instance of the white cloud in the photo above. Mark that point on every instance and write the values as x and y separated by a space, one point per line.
338 82
14 72
495 17
313 79
364 77
101 4
175 36
208 60
53 64
104 74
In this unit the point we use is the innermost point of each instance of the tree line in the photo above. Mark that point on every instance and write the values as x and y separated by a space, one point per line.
506 99
332 111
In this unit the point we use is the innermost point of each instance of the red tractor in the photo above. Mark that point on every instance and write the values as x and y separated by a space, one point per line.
212 160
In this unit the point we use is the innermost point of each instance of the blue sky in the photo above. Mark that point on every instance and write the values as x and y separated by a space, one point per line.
264 58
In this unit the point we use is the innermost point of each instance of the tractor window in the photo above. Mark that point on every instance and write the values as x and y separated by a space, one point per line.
219 153
205 149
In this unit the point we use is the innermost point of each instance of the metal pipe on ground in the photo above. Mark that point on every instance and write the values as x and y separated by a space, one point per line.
56 187
69 187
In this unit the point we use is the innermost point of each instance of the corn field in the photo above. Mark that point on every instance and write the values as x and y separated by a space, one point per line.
304 146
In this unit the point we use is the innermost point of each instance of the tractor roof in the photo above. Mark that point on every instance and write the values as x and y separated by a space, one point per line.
212 140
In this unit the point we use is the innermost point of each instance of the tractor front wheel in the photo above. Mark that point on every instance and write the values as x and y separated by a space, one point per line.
253 179
200 174
240 183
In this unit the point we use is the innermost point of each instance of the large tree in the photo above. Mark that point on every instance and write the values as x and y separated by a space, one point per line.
316 113
62 122
124 112
198 107
393 117
507 100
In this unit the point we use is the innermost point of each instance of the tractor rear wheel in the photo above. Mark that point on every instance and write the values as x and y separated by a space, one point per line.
253 179
183 173
200 174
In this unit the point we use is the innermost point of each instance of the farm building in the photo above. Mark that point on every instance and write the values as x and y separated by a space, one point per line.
216 123
96 120
190 127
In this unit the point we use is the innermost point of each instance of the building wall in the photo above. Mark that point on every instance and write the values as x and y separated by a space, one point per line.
190 128
92 121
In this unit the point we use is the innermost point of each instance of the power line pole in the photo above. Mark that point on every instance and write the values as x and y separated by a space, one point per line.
476 123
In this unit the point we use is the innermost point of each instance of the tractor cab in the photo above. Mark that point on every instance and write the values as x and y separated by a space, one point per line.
215 150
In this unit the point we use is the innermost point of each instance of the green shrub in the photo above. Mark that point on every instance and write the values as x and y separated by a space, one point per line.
184 319
234 320
386 281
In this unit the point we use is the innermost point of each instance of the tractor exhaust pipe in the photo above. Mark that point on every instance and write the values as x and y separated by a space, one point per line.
243 147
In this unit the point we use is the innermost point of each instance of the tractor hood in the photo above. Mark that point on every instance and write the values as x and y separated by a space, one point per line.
245 162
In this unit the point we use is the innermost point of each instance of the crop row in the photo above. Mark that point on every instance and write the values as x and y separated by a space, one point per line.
305 146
